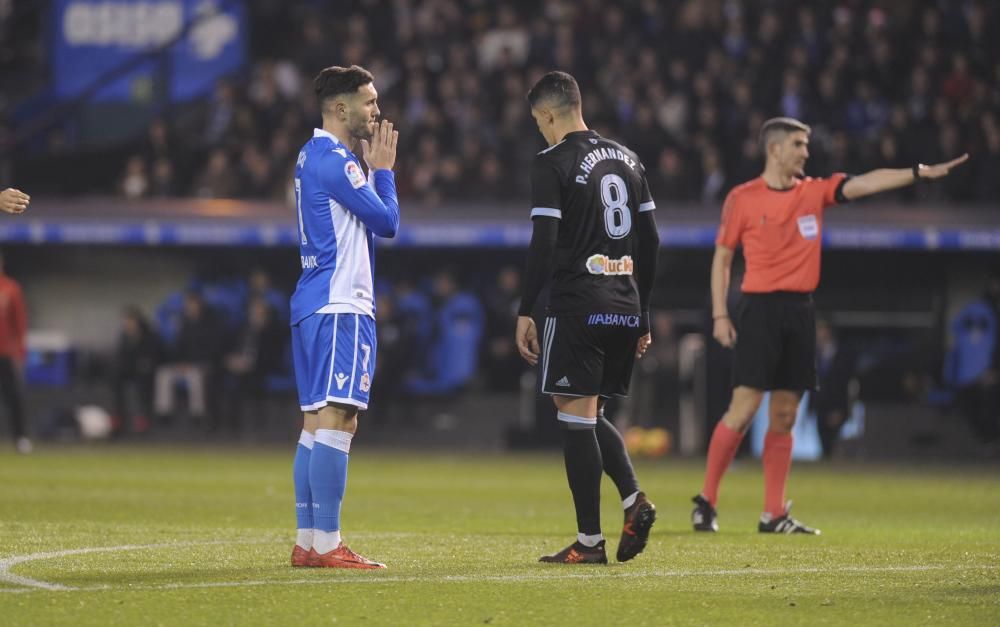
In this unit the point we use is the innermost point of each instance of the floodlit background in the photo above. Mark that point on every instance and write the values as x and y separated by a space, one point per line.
156 139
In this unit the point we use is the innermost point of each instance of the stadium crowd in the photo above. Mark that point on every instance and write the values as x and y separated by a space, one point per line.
686 84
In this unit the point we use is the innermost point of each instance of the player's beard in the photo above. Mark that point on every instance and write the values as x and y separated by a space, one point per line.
361 128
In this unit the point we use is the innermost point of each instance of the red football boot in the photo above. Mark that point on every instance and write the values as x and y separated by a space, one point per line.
343 557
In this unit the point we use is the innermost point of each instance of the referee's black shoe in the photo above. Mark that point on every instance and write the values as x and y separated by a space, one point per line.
578 553
639 519
785 524
703 515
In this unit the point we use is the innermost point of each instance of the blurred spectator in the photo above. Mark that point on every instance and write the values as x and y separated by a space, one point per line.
713 178
257 352
218 180
395 354
162 183
672 177
261 287
158 142
988 164
135 182
656 381
220 113
255 174
192 360
830 401
973 363
453 355
13 350
867 112
136 359
502 365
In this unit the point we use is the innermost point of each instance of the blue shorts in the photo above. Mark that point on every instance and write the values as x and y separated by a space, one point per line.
334 356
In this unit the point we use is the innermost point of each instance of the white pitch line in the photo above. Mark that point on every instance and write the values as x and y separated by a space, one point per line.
6 563
591 574
32 585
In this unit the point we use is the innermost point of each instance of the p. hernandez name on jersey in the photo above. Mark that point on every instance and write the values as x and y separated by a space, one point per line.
339 213
597 189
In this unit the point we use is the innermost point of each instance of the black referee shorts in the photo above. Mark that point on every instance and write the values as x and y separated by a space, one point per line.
775 342
589 355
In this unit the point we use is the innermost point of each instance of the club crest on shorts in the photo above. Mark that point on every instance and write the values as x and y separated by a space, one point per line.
366 383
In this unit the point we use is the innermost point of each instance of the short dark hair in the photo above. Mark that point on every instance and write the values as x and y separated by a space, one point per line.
557 89
336 80
779 125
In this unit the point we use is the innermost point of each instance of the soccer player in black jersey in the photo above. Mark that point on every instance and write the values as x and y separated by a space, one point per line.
595 237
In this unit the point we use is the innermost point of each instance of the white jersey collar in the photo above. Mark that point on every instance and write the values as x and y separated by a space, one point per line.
318 132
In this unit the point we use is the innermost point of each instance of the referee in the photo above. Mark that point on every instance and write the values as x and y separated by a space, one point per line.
778 219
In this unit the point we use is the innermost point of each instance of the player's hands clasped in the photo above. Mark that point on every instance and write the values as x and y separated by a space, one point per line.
13 200
938 170
724 331
381 153
526 338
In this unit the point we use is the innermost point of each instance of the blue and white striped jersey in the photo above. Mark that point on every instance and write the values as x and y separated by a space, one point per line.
339 212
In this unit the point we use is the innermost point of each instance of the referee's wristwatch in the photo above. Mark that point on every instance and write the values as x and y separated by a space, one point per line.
916 172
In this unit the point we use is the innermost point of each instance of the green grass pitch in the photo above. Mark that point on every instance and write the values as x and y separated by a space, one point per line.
200 536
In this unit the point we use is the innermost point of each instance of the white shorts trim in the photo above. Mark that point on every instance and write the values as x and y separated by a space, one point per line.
334 399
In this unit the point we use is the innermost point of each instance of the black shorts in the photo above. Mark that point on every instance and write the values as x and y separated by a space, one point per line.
775 342
589 355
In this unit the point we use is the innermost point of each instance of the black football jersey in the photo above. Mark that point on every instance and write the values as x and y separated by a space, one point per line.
596 188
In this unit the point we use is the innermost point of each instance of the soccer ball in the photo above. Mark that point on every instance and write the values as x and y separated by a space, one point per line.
634 438
94 422
656 443
652 443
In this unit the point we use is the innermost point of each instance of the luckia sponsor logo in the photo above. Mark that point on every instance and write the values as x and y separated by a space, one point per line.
602 264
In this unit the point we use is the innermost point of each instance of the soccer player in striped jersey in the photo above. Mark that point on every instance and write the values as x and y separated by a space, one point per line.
340 212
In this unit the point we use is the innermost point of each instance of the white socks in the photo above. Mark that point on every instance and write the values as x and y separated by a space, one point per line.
629 501
586 540
325 541
306 439
304 538
340 440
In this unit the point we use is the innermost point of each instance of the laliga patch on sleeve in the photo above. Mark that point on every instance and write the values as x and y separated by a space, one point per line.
354 174
808 226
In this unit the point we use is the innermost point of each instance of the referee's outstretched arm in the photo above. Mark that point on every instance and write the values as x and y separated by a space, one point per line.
13 200
891 178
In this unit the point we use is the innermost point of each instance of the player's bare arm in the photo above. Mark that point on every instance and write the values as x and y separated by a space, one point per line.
892 178
14 200
722 327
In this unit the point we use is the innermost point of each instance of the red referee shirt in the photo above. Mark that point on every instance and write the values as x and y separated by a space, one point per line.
13 320
780 230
